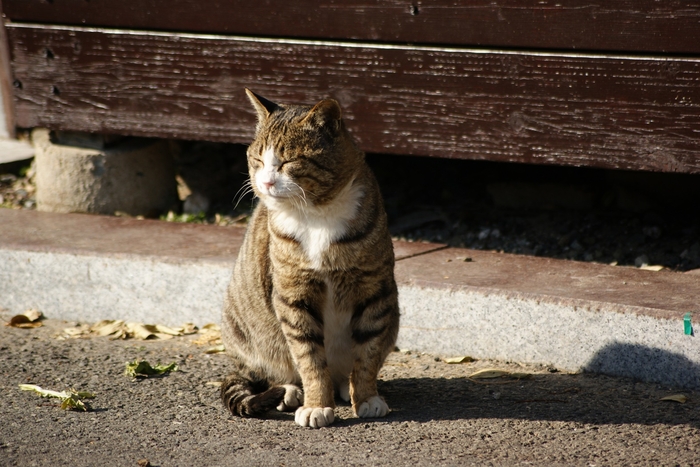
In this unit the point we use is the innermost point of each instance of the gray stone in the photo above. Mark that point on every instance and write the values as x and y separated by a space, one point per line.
136 177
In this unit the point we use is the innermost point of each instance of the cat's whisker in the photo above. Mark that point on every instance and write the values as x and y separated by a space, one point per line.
303 193
242 192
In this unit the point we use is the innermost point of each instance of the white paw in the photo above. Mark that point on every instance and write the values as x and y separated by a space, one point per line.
293 398
315 417
372 408
344 391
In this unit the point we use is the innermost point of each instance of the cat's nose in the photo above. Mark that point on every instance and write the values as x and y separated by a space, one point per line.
268 184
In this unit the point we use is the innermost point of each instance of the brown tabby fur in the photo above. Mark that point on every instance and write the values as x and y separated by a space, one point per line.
312 300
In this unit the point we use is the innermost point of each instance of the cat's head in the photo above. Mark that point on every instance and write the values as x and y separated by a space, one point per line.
301 154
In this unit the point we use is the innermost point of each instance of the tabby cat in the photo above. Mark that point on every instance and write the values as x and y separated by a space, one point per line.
312 302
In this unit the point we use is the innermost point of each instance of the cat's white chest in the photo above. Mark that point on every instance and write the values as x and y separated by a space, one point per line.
314 234
316 228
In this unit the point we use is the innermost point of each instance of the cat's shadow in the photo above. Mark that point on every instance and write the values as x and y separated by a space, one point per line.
584 398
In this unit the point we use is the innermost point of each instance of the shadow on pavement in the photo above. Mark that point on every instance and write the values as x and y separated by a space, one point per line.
584 398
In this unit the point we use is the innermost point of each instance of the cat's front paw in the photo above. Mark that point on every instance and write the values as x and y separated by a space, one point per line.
315 417
293 398
372 408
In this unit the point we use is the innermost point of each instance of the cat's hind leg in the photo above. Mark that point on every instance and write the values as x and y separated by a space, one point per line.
246 397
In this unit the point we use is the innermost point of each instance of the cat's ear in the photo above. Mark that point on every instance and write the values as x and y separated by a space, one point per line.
262 106
324 114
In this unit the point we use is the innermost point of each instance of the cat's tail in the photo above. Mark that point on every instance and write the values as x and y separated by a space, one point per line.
246 398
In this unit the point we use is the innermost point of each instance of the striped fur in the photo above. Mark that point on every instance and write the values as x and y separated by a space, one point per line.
312 302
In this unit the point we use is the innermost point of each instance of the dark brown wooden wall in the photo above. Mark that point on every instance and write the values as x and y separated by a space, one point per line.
611 25
523 81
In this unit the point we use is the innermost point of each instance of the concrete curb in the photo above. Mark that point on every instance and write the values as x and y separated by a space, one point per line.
574 316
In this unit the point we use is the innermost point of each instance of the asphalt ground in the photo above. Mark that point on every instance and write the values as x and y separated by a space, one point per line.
439 415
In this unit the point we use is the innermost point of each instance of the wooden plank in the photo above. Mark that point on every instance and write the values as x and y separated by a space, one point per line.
7 119
580 110
623 25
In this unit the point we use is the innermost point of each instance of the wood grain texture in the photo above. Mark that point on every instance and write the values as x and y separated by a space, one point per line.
581 110
620 25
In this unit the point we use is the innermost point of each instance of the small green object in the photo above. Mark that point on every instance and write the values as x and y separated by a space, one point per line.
687 325
143 369
70 399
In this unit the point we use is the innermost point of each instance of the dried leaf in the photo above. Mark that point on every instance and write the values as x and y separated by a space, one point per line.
465 359
209 334
143 369
214 383
141 331
77 331
33 315
159 328
216 349
489 373
27 320
520 375
118 329
70 399
189 328
651 267
675 398
109 327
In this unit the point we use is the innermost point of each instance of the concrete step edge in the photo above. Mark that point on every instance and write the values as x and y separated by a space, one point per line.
534 310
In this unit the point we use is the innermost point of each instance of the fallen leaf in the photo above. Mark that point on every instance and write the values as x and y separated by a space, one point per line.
70 399
180 331
651 267
465 359
119 329
146 331
675 398
143 369
520 375
214 383
189 328
209 334
114 328
33 315
27 320
78 331
488 373
216 349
